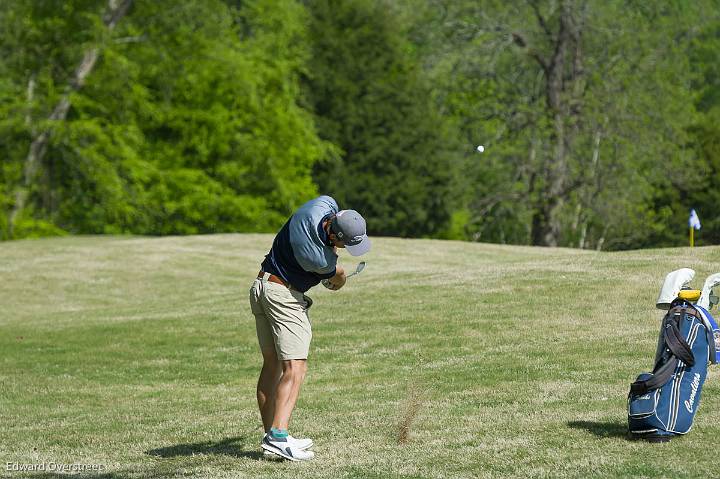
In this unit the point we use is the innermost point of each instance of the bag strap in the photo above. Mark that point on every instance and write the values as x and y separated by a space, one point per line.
684 308
659 378
677 344
680 350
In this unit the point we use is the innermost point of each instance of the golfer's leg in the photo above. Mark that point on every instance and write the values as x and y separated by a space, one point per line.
267 385
287 311
271 368
288 390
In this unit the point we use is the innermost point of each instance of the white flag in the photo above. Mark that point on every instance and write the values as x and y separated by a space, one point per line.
694 220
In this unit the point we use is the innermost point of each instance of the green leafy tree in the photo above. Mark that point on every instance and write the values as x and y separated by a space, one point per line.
565 97
398 163
703 195
189 121
40 73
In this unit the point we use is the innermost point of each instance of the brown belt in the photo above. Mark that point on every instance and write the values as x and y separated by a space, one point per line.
275 279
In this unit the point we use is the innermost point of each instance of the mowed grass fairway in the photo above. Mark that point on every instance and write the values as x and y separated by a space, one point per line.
141 354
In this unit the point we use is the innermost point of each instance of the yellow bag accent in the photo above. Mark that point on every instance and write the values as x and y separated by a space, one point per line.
689 294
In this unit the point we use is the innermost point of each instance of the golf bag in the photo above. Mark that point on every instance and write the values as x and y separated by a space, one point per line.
663 403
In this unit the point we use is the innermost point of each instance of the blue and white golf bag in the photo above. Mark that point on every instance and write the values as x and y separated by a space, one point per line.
663 403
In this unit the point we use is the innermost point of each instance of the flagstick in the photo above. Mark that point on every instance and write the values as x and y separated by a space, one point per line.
692 237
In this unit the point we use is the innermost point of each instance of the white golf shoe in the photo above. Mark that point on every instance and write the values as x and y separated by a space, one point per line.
288 447
303 443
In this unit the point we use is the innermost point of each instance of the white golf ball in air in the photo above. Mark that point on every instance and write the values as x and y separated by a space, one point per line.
480 148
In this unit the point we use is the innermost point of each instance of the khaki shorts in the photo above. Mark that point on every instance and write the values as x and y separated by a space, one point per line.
281 319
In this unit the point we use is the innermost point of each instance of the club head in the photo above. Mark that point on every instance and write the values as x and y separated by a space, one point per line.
672 286
360 267
707 292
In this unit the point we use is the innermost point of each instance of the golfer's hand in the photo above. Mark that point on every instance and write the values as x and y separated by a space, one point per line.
337 281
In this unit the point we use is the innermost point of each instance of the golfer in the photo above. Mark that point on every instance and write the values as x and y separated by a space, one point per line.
303 254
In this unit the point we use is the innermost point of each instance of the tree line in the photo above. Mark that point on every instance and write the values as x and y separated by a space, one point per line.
599 119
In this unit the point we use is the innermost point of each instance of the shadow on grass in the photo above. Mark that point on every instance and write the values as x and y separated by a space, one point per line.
602 429
232 446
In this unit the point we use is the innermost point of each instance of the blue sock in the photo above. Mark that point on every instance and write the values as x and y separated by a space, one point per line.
278 433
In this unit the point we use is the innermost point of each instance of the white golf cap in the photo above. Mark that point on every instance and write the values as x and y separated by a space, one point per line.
349 227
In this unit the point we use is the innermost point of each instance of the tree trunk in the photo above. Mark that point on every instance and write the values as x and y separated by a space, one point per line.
29 99
562 75
583 236
601 241
116 9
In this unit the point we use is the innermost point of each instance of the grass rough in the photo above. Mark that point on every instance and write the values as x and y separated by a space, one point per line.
140 354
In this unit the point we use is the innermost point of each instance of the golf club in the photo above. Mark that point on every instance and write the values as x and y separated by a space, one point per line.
707 292
360 267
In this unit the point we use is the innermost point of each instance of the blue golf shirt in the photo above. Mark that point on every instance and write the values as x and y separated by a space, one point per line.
302 254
